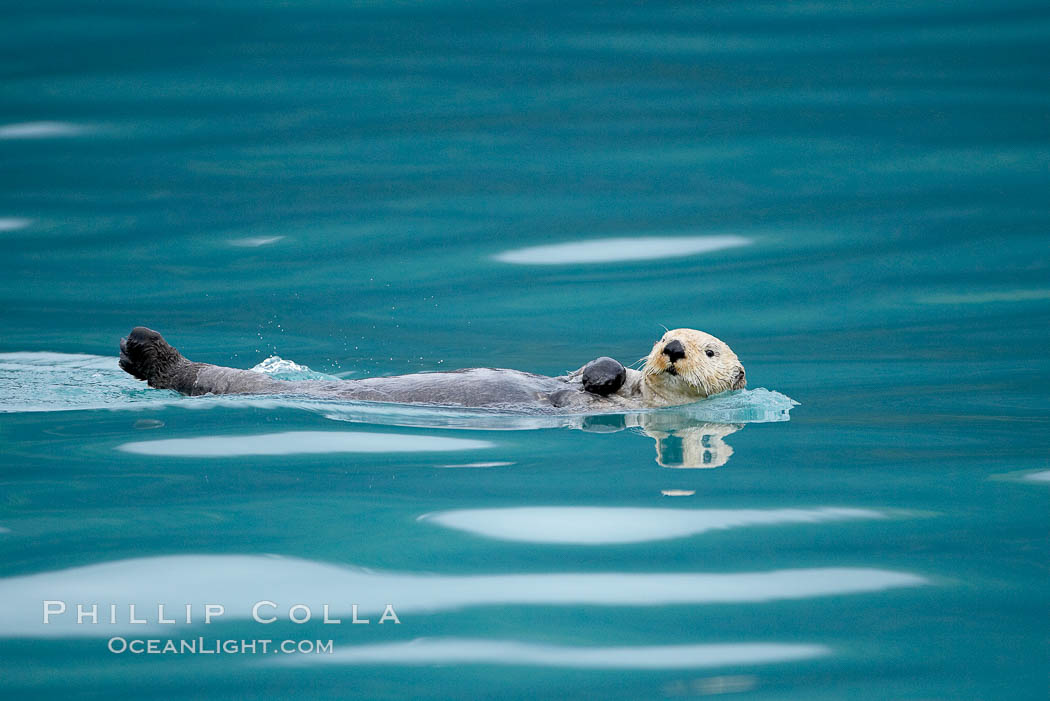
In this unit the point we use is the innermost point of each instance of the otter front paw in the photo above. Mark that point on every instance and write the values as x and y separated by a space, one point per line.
603 376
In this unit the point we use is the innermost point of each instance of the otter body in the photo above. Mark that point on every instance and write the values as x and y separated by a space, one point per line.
675 373
492 388
146 355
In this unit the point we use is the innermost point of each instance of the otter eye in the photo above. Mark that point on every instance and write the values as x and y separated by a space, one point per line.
710 353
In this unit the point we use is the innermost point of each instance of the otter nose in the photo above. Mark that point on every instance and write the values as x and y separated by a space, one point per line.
674 351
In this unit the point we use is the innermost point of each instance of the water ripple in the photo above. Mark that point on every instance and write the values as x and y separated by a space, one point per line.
510 652
40 130
237 582
592 525
300 443
621 249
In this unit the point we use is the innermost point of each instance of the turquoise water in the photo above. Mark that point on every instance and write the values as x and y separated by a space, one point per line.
853 196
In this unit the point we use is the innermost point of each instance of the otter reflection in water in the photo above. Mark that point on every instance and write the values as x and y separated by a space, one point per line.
681 441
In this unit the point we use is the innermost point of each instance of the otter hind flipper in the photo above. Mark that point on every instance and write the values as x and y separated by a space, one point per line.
146 355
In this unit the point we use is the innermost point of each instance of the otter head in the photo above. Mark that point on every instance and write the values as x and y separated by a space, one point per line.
686 365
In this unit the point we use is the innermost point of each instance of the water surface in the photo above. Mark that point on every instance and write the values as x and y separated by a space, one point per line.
854 197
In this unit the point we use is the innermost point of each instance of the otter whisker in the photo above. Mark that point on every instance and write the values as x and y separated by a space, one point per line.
703 383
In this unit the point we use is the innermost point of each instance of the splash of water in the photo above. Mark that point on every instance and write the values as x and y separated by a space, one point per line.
281 369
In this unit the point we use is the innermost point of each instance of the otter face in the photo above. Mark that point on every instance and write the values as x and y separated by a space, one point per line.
686 365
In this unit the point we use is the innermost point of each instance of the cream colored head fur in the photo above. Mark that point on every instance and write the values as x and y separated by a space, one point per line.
686 365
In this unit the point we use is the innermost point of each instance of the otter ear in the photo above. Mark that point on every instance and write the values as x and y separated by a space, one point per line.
741 378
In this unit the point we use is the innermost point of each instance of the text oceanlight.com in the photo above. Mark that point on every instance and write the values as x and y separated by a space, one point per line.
205 646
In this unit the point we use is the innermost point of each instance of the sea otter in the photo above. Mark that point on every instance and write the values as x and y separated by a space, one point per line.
684 365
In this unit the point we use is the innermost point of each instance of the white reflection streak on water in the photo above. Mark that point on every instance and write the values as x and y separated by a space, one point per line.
596 525
620 249
255 241
13 223
466 651
300 443
239 581
40 130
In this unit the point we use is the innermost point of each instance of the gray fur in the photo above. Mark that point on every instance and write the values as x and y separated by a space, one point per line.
146 355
